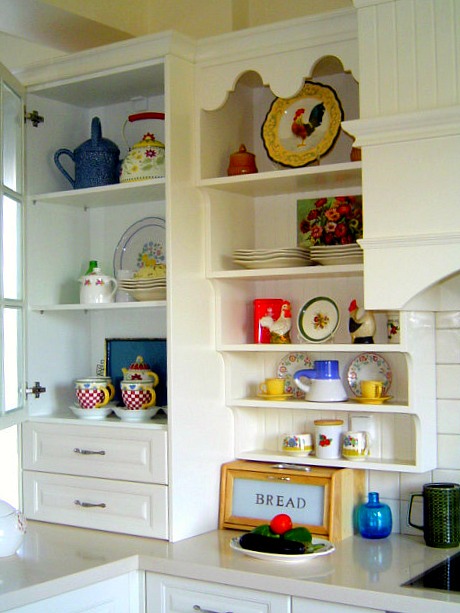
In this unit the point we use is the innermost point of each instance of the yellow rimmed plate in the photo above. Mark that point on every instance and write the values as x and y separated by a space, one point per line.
299 130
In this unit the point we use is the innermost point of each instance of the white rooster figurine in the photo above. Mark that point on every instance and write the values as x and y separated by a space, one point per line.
361 324
281 327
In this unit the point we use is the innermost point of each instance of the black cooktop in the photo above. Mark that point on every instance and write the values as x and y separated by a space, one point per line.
443 576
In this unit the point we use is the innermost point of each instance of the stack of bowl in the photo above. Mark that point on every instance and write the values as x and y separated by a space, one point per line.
148 283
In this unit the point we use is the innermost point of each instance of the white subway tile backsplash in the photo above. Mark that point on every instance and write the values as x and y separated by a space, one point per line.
448 439
416 517
448 451
412 483
385 483
448 346
448 381
450 476
449 417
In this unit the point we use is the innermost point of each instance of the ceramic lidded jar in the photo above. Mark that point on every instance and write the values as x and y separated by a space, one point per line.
242 162
97 288
12 529
140 371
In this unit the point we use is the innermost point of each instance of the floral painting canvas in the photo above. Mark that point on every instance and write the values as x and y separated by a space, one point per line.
329 221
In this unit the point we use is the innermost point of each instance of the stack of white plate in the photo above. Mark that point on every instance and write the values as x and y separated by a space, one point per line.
144 289
272 258
330 255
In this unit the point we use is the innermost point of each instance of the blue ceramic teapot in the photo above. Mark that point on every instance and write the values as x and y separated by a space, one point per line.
97 160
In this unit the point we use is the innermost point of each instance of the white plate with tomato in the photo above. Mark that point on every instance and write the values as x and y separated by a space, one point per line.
280 541
324 549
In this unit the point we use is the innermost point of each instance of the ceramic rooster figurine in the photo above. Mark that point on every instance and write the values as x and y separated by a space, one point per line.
281 327
361 324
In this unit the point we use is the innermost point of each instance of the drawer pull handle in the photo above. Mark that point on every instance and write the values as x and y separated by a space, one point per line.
88 451
89 505
196 607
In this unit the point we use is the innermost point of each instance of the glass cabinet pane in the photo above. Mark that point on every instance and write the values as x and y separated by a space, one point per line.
12 358
11 242
12 120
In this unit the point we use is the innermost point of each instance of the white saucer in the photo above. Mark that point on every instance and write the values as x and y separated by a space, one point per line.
136 415
98 413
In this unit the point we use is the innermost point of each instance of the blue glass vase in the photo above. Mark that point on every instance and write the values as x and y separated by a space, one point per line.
374 518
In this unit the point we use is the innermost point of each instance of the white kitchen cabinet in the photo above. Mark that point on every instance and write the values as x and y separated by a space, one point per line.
119 595
305 605
259 211
63 467
65 229
168 594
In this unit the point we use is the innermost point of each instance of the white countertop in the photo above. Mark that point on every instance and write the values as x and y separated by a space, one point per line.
55 559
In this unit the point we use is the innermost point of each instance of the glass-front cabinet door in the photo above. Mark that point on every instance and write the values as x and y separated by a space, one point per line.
12 293
12 392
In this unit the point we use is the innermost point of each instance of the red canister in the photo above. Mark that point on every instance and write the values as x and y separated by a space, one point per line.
266 312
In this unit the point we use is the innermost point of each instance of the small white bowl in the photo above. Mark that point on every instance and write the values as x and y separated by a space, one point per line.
136 415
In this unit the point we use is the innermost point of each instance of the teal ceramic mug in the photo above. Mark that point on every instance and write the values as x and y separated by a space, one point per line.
441 514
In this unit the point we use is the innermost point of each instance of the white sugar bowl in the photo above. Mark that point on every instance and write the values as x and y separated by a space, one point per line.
12 529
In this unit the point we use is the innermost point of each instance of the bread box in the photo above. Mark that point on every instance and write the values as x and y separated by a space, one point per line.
321 499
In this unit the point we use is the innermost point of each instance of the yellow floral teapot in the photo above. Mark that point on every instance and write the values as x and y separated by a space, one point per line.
146 159
140 371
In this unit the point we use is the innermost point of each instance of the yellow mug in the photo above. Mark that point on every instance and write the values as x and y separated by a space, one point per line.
272 387
371 389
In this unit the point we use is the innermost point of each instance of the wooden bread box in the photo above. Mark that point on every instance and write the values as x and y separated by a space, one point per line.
322 499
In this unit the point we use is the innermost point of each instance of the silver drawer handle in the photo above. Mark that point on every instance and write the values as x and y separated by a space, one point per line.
196 607
88 451
89 505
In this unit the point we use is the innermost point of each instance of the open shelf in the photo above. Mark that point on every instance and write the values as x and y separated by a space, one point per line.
341 176
107 195
112 306
386 464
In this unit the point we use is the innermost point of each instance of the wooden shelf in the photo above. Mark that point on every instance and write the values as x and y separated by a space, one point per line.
112 306
341 177
385 464
311 347
393 406
268 274
107 195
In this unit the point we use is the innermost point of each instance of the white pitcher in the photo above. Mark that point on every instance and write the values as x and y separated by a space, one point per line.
97 288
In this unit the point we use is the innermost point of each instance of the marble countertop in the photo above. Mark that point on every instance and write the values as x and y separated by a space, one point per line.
55 559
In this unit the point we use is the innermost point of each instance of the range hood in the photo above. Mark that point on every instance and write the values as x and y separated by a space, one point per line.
411 200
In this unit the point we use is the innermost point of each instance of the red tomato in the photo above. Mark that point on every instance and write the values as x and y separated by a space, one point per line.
281 523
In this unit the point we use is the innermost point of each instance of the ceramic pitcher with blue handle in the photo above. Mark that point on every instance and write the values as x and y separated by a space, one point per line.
324 383
97 160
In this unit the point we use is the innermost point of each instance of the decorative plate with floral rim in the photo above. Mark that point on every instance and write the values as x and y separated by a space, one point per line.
299 130
318 319
370 366
288 366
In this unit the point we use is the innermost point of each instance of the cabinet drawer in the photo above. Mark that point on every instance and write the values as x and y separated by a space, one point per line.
134 454
130 508
175 595
305 605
